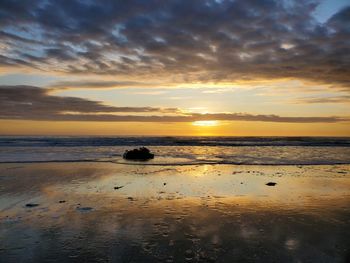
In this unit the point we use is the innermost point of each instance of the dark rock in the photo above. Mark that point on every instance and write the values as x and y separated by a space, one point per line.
118 187
271 184
138 154
62 201
31 205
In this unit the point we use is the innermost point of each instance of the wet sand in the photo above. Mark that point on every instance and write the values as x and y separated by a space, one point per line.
103 212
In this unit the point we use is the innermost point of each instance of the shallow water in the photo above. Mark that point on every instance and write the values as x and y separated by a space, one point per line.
91 212
180 150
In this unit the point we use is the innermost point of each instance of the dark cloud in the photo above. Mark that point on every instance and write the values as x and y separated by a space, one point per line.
189 40
341 21
33 103
334 99
28 102
98 84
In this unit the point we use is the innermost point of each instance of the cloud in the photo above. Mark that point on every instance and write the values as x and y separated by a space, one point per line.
186 41
334 99
97 84
33 103
28 102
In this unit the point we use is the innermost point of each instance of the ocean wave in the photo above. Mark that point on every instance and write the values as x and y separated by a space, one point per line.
207 150
18 141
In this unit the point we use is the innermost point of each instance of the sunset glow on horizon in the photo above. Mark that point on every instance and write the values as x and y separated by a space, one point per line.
206 123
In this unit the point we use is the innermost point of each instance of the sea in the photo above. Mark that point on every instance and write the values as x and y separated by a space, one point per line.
179 150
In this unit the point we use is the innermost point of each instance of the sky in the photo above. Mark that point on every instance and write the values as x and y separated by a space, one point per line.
176 67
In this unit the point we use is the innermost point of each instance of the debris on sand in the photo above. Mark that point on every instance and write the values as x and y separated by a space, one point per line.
31 205
84 209
138 154
118 187
62 201
271 184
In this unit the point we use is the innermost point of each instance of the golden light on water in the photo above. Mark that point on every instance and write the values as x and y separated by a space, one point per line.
206 123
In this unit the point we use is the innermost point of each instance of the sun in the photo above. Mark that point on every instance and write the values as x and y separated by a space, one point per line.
205 123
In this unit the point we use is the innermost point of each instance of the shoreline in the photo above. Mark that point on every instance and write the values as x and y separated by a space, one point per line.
132 163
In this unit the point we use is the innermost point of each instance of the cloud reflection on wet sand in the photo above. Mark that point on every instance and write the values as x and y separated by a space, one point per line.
202 213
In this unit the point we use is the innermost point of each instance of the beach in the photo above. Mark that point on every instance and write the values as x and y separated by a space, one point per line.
112 212
175 131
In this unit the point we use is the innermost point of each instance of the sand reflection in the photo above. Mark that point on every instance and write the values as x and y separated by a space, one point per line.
175 214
